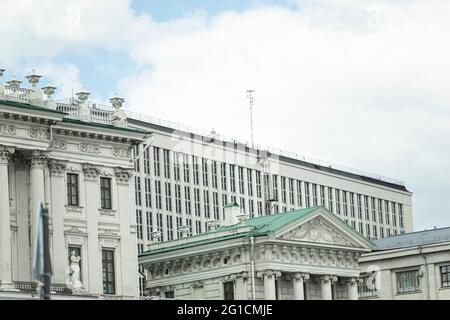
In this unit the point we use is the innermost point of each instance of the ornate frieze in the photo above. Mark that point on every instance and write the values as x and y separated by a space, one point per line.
123 175
74 210
90 171
316 230
58 144
39 133
7 129
121 152
57 167
107 213
90 148
268 273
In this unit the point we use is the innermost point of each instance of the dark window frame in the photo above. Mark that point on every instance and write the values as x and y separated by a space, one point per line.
108 262
105 193
73 189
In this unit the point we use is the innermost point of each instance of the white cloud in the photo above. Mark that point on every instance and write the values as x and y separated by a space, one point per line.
358 82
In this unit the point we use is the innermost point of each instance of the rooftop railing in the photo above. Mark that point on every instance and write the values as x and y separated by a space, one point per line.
102 114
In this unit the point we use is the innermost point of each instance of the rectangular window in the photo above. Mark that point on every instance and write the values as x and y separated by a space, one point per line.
291 192
375 234
344 203
368 231
381 232
139 230
179 225
338 202
197 202
223 176
258 184
135 154
322 195
205 172
330 199
105 193
228 290
352 204
283 190
189 225
274 187
445 276
198 227
216 205
149 225
400 215
372 209
206 208
168 196
166 164
386 211
214 174
109 285
314 193
176 166
359 204
307 195
169 227
224 203
394 214
137 191
159 226
72 190
186 168
241 179
158 194
195 168
232 178
380 211
408 281
148 194
157 169
249 183
242 203
147 160
260 208
366 207
367 287
178 198
187 200
251 208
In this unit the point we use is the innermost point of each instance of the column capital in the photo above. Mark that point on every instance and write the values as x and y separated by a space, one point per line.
300 276
57 167
328 278
123 175
38 158
268 273
91 171
353 280
5 154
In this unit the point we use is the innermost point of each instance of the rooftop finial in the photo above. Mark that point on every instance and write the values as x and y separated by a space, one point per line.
117 101
49 90
1 72
33 78
82 95
14 83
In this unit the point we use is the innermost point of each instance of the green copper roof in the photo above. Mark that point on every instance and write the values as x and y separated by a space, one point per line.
259 226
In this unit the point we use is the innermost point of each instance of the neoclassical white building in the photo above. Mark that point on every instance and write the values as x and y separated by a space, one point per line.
78 162
411 266
302 254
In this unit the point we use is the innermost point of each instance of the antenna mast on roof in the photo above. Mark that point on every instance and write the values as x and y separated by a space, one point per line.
252 102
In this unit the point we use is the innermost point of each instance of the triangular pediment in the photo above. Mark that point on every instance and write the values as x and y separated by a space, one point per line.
321 228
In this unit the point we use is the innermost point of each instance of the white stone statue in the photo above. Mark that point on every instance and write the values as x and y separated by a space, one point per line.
73 280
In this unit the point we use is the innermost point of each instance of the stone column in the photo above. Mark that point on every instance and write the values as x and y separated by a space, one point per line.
128 242
269 283
57 210
326 282
352 285
5 224
298 281
241 286
38 162
94 283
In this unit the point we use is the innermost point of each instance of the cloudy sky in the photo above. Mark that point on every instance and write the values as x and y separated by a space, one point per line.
363 83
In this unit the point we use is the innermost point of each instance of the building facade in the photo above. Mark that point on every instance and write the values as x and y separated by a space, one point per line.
412 266
78 163
185 178
302 254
